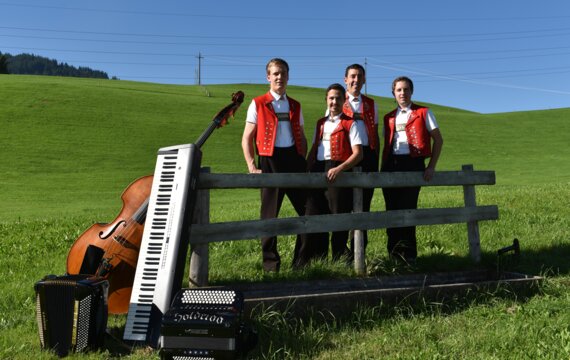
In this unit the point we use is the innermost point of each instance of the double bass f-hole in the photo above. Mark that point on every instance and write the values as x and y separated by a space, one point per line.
105 234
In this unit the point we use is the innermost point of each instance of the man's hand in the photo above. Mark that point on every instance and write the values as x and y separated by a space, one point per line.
253 169
428 173
333 173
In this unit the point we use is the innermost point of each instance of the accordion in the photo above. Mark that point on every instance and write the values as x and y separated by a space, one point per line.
71 312
202 324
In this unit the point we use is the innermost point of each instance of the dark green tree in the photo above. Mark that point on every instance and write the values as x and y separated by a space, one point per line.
3 64
38 65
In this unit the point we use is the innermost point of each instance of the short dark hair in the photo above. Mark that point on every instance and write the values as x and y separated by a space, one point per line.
355 67
278 62
336 86
403 78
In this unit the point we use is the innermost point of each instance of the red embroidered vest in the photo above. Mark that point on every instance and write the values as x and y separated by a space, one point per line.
340 137
267 124
419 139
368 115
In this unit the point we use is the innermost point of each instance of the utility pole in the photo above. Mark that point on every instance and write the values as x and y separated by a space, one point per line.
365 71
200 57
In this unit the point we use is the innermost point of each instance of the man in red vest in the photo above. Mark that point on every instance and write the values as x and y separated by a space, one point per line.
408 134
336 148
274 128
365 113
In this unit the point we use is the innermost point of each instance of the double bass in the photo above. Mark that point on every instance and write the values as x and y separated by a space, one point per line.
111 250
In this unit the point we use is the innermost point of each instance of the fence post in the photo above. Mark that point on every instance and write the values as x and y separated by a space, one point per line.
199 252
472 226
359 255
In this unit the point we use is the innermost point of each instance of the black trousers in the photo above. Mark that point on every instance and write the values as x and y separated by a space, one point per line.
369 163
320 202
402 241
284 160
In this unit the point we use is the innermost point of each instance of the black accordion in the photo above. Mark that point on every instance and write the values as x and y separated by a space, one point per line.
71 312
203 324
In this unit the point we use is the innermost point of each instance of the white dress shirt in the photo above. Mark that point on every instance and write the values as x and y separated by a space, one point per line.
357 107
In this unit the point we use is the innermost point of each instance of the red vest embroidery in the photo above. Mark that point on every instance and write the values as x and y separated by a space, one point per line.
340 137
267 124
419 139
368 115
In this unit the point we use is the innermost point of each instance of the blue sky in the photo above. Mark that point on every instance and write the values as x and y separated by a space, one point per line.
484 56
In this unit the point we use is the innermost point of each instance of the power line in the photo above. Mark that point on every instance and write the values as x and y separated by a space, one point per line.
360 43
102 51
296 56
128 63
364 37
313 19
481 59
486 75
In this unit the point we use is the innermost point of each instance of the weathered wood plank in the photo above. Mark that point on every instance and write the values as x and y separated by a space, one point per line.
252 229
363 180
472 226
199 252
359 251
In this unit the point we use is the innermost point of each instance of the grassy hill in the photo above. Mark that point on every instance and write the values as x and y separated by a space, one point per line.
72 145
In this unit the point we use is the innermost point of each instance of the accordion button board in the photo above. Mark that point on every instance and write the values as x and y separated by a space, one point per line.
202 324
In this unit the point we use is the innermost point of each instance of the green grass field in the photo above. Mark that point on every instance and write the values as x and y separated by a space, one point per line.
71 146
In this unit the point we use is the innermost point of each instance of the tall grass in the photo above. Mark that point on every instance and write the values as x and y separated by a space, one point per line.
490 325
70 146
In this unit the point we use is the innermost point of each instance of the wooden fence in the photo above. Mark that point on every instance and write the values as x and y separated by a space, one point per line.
203 232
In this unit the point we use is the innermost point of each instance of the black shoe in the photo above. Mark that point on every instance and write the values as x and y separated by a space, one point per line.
272 268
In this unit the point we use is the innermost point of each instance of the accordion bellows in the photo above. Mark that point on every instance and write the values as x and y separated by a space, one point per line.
71 312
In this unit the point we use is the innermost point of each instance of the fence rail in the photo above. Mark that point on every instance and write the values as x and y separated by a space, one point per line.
347 179
250 229
202 232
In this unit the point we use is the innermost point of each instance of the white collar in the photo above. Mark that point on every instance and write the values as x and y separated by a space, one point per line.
334 118
276 96
405 110
352 97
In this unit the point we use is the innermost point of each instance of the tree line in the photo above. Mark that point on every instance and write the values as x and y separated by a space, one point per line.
28 64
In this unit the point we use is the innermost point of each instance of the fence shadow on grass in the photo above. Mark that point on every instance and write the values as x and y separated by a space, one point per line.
549 261
310 334
283 332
